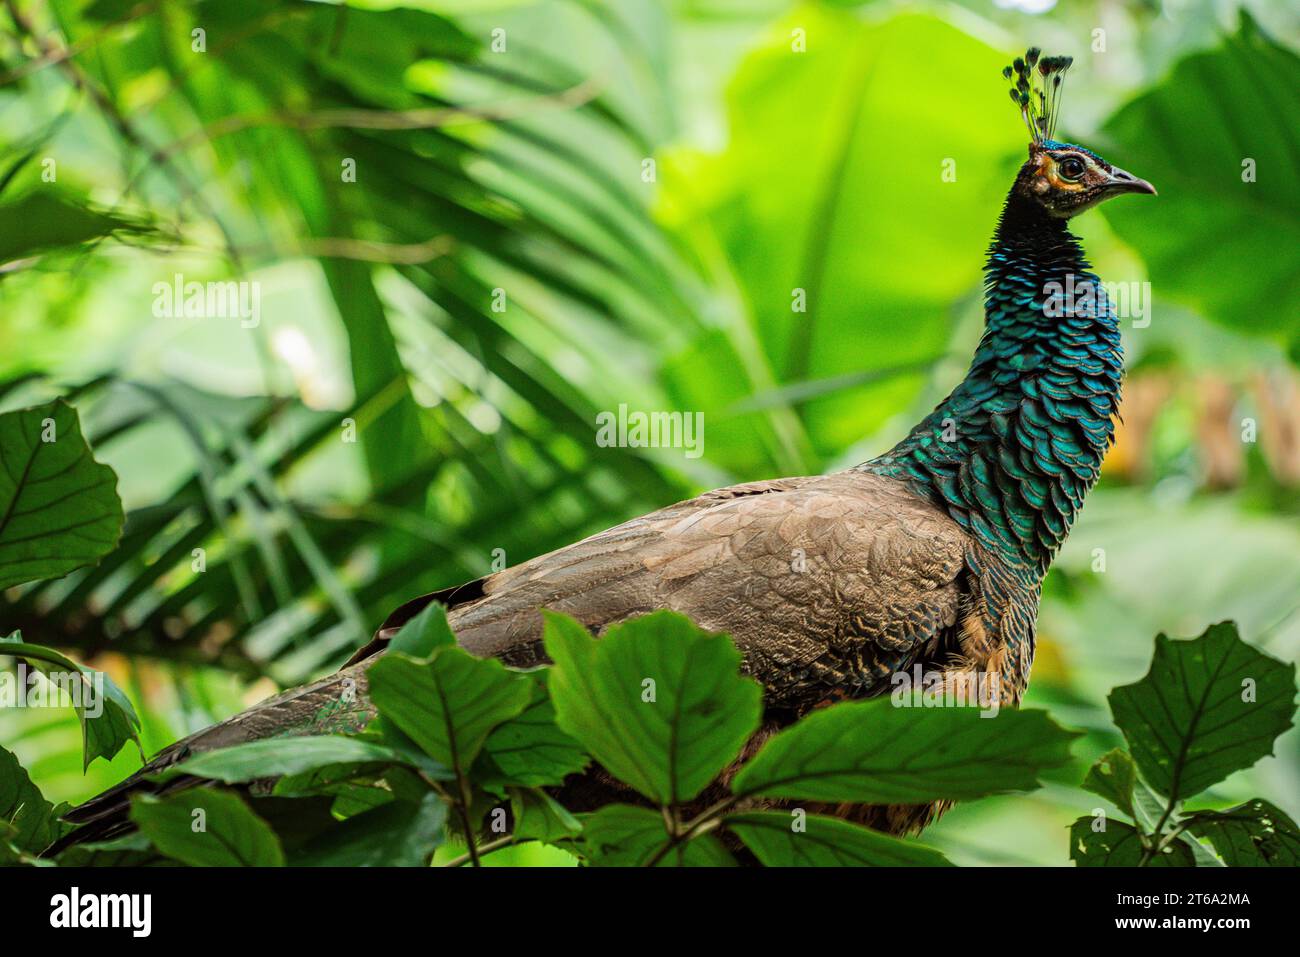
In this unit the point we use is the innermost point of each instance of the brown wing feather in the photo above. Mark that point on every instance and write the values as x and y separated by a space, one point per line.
848 568
827 584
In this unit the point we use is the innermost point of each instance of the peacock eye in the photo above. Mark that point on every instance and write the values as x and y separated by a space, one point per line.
1071 167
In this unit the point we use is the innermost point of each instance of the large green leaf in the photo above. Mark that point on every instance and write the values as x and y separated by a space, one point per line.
848 202
129 850
1212 239
1119 845
32 822
277 757
657 701
620 835
1254 834
449 703
397 834
530 749
203 827
59 508
872 752
1209 706
816 841
107 719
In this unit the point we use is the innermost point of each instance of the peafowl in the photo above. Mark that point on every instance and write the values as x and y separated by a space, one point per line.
929 555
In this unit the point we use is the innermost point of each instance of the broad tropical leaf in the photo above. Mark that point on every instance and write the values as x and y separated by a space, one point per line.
657 701
1212 239
530 749
396 834
780 839
874 753
27 821
1254 834
203 827
1208 706
449 703
277 757
108 721
59 508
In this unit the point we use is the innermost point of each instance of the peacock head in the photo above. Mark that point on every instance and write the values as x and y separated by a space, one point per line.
1064 179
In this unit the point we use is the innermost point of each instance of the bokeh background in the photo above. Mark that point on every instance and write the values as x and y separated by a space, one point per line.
559 207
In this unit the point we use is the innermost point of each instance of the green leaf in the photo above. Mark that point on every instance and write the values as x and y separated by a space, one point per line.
448 704
1113 777
1254 834
620 835
1208 707
530 749
825 842
45 219
129 850
657 701
353 799
390 736
108 721
59 508
796 202
1210 239
872 752
332 779
396 834
277 757
424 633
539 817
203 827
1120 846
33 822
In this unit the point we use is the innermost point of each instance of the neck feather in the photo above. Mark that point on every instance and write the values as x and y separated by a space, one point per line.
1014 449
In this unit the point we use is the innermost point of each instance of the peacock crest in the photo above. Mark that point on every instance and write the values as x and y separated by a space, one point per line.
1037 89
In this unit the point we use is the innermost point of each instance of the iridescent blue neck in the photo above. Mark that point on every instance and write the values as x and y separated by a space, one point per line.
1019 442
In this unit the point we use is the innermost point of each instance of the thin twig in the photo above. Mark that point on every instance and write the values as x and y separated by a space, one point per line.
332 247
482 851
83 82
707 820
462 806
56 55
363 119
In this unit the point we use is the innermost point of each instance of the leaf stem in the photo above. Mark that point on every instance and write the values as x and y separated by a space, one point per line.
707 820
462 807
483 851
1158 840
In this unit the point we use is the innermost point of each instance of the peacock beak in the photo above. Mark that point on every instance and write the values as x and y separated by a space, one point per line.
1122 181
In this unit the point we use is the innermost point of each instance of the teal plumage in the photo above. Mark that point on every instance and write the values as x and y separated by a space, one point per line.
1016 446
1011 453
